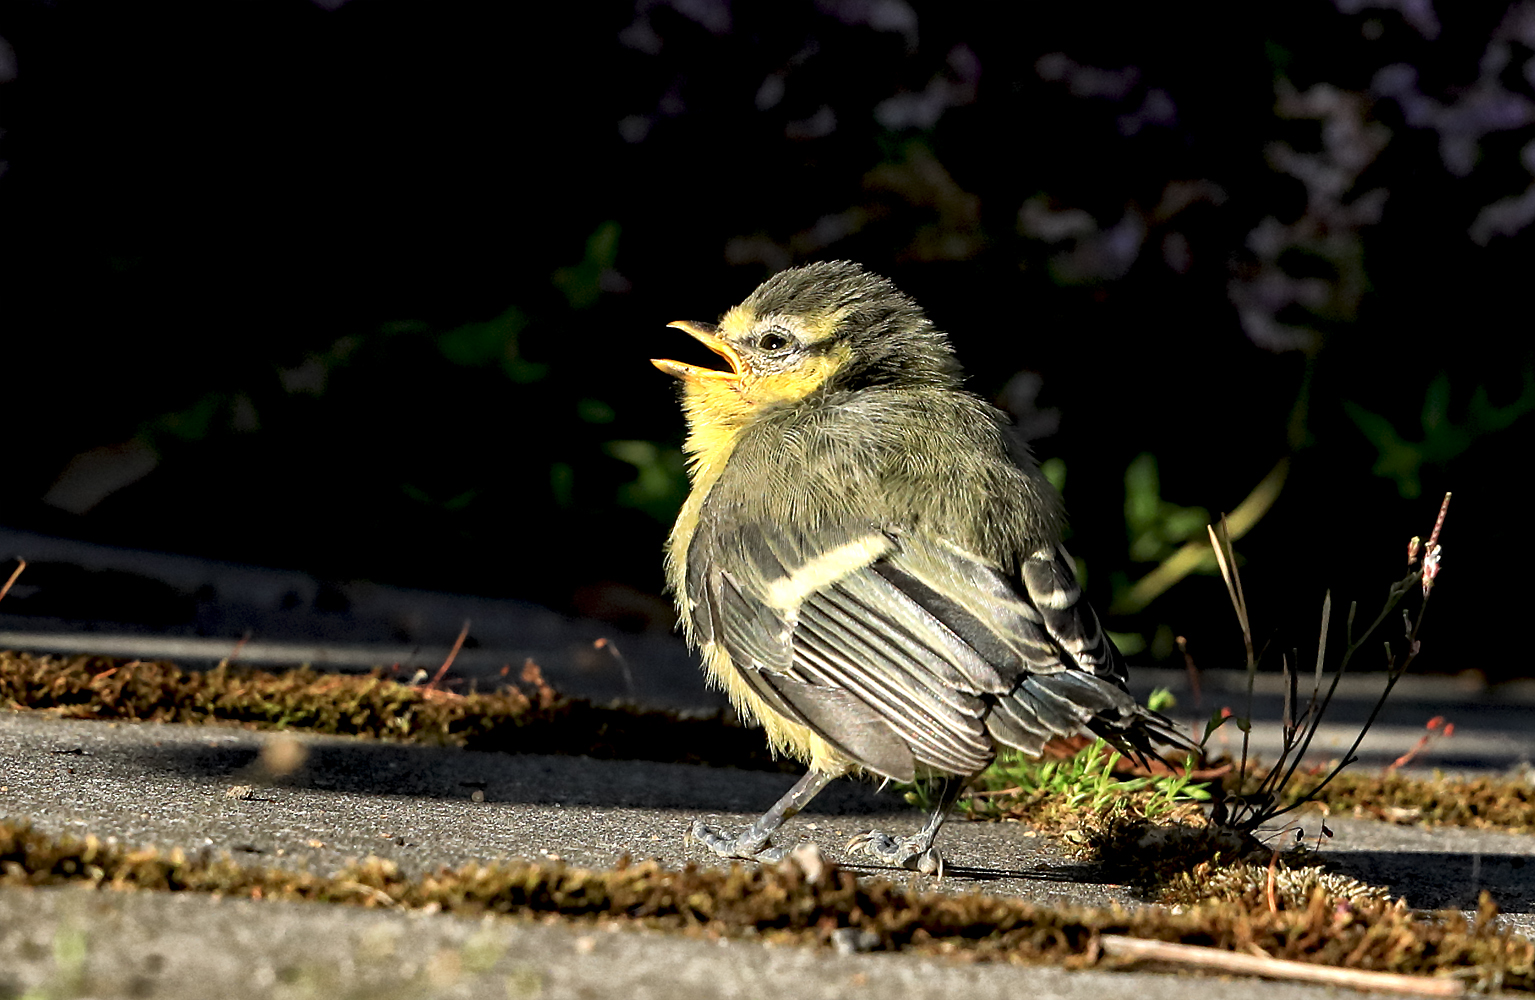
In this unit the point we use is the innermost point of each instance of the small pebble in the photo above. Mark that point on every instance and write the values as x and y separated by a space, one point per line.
852 940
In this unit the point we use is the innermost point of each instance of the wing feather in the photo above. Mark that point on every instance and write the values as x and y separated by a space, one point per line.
1050 582
941 722
904 650
1014 725
920 744
849 724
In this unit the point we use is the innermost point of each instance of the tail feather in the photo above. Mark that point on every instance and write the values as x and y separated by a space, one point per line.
1012 724
1134 737
1073 702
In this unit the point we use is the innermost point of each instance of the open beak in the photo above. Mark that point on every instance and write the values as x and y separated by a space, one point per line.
704 334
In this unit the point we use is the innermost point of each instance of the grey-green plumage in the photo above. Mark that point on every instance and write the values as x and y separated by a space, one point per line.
882 562
896 343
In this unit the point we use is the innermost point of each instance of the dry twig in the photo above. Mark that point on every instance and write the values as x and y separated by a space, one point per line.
1219 960
21 564
442 671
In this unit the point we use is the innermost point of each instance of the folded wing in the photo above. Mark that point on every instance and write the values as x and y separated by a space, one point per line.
907 652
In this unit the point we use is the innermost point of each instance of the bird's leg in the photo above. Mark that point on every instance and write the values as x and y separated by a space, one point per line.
914 852
752 843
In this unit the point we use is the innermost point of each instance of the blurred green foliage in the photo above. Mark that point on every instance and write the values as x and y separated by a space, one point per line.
595 411
582 283
493 342
1156 527
1219 257
1401 460
661 483
1055 471
449 505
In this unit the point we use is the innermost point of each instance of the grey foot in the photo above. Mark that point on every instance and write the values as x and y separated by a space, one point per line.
914 853
742 845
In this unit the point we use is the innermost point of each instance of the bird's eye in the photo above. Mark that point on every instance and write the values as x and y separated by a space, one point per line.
773 342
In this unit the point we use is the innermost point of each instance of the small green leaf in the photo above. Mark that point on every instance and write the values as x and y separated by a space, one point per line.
582 283
562 482
595 411
1129 643
1054 469
480 343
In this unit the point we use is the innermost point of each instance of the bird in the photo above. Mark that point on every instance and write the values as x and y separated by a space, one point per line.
870 562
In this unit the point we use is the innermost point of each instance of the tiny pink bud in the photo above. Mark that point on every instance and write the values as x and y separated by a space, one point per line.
1435 722
1449 729
1430 567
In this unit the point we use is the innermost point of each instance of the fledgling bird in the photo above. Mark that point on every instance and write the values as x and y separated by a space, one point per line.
870 563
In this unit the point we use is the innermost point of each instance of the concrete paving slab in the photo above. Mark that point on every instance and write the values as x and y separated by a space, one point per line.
168 785
186 947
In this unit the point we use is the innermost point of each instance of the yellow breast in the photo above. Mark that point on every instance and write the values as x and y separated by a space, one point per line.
717 413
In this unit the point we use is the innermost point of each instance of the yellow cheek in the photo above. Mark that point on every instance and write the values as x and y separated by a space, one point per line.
786 387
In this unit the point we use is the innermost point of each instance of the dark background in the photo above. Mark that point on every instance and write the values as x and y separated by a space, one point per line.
368 288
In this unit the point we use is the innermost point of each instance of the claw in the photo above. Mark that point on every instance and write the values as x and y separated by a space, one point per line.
726 846
873 843
912 853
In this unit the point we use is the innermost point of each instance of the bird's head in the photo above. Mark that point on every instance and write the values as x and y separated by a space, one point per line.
813 329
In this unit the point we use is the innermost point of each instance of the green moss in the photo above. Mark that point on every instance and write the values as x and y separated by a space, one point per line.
1060 794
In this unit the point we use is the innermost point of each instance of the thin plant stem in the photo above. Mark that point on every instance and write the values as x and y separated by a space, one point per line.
1261 805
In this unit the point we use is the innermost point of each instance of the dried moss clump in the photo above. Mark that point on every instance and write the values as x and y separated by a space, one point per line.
1193 862
528 717
1248 883
1485 802
812 904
